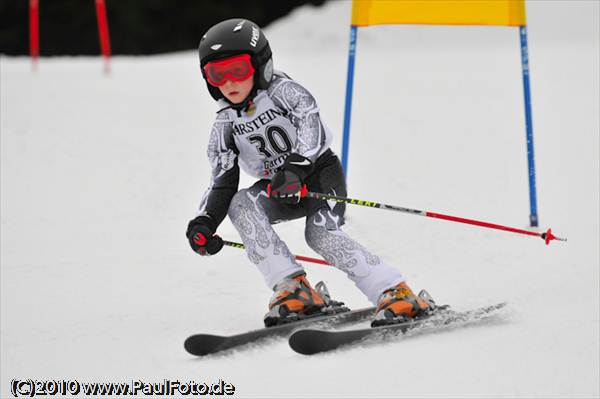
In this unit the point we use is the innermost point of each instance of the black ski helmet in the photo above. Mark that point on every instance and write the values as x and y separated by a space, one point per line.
232 37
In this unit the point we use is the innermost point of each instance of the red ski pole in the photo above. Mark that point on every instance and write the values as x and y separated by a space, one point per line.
297 257
547 236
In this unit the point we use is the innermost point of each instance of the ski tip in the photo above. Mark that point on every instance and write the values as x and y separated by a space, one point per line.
307 342
203 344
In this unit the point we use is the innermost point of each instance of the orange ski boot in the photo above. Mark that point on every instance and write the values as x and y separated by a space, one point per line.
399 304
293 300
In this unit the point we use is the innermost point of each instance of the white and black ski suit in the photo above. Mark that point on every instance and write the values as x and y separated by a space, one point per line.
284 119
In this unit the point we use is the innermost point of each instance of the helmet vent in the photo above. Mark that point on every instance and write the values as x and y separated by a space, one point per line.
239 26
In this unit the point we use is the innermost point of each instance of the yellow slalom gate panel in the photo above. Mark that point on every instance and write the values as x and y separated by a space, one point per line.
439 12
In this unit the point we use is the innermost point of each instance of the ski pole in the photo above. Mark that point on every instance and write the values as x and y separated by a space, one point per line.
547 236
297 257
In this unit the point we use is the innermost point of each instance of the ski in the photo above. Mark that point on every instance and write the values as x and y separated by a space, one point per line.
205 344
311 341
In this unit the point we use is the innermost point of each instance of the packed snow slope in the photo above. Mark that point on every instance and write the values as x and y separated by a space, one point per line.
100 175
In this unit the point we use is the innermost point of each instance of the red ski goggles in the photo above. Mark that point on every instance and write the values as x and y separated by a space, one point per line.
237 68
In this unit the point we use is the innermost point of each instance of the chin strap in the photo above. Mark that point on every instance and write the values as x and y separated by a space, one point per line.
244 105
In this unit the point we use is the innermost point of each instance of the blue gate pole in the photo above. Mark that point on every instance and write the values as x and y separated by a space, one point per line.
348 105
533 216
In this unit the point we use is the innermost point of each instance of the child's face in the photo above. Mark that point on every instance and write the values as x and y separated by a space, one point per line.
236 92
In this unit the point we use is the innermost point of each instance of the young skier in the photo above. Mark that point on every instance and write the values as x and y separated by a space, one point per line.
269 125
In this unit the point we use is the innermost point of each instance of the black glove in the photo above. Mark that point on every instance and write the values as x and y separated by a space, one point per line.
202 238
288 183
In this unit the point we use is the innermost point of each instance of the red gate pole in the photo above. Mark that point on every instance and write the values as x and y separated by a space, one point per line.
103 33
34 32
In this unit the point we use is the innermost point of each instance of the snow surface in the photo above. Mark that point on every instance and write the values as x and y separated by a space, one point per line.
100 175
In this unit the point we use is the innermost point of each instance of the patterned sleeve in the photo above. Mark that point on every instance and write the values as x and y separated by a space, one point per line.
303 111
222 154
